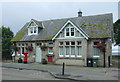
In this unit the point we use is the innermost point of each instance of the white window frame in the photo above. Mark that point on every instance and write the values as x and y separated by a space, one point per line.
33 28
80 51
76 28
59 51
94 53
69 51
61 45
18 54
71 55
50 44
95 56
67 41
49 50
79 44
21 51
69 31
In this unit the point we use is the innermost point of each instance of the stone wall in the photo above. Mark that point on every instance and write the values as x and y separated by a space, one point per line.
70 62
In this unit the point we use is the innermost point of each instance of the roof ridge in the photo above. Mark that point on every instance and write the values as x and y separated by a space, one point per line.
70 17
57 19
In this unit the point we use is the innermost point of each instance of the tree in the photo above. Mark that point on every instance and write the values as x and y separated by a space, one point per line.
7 35
117 32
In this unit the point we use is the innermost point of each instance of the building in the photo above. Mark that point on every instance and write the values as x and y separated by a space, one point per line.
71 40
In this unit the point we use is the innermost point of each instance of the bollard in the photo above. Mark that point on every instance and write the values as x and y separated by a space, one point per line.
63 68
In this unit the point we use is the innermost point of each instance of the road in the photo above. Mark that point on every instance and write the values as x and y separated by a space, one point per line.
16 74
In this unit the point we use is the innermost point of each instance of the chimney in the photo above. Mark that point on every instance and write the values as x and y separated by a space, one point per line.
79 13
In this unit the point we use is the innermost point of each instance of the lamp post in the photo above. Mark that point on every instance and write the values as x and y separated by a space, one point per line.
63 68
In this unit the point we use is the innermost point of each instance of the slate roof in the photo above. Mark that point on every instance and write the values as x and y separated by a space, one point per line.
96 26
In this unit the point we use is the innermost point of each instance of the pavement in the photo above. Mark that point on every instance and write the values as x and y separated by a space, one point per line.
71 72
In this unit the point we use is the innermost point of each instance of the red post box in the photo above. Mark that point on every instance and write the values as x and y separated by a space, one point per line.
25 57
50 59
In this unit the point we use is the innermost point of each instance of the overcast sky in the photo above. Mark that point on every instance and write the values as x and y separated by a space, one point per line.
16 14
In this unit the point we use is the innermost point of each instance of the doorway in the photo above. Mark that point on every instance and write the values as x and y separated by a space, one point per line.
38 56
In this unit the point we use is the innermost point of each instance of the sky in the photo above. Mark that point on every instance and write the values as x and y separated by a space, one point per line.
16 14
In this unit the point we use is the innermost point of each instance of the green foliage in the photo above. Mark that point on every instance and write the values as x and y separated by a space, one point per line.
7 35
117 32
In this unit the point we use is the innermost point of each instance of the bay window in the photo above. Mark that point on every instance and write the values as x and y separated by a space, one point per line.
70 49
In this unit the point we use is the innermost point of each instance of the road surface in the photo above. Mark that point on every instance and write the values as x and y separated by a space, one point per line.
16 74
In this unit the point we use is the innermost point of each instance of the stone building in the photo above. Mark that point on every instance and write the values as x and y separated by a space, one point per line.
70 40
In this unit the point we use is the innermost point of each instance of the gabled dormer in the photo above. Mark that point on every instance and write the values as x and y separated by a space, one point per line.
70 31
34 27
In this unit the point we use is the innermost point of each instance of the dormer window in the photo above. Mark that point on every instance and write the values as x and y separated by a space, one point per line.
35 29
32 30
70 32
67 32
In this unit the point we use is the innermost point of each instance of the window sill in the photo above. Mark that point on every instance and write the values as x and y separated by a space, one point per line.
79 45
61 56
50 53
79 56
96 56
72 56
67 56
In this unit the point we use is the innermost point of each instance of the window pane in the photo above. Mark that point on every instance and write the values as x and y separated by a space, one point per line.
35 29
79 51
72 43
72 50
50 49
67 43
61 43
22 50
67 51
22 44
19 50
79 43
31 29
61 50
96 52
67 31
72 31
50 44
